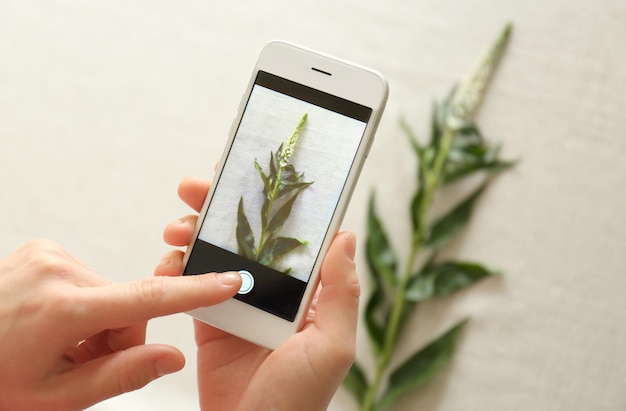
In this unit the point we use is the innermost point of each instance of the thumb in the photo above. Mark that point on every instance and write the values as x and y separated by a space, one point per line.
116 374
338 301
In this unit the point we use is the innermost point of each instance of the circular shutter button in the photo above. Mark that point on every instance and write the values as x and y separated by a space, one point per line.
247 282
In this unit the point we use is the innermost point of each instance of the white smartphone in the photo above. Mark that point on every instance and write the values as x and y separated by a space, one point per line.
297 145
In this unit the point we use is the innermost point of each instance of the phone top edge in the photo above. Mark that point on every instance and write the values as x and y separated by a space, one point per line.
287 43
275 46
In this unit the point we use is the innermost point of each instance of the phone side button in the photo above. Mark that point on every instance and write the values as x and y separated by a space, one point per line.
247 282
369 146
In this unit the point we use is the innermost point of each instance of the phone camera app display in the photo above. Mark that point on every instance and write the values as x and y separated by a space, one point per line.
278 190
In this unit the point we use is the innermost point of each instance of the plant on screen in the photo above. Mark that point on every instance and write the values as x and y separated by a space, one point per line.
457 149
281 186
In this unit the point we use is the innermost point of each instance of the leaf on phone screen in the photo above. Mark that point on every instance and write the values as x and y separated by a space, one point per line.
281 187
273 167
264 178
293 187
245 236
264 211
278 220
277 248
288 176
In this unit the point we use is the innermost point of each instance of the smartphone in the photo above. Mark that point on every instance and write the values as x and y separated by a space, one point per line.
296 147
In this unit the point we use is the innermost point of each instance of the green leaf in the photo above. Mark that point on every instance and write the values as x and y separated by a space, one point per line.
455 172
405 314
441 279
446 227
273 165
409 302
276 248
436 124
382 263
356 382
469 133
408 132
289 175
277 221
375 328
443 113
380 255
245 236
289 188
422 366
422 169
416 220
265 210
497 166
452 276
264 178
470 153
421 287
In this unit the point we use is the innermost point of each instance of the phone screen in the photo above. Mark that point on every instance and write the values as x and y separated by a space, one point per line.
279 188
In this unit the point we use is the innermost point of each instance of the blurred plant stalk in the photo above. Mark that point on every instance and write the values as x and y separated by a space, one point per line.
456 149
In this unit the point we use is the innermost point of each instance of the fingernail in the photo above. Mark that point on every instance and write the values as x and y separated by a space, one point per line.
166 365
229 278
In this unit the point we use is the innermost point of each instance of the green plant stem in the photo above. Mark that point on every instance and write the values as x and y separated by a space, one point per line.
272 196
392 331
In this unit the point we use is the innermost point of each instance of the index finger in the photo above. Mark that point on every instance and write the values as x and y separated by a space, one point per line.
120 305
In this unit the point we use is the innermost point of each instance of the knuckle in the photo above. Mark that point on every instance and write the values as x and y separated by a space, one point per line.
41 264
354 288
45 266
152 289
128 378
41 246
45 258
353 285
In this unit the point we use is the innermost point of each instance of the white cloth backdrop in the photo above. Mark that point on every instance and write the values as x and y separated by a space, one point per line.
106 105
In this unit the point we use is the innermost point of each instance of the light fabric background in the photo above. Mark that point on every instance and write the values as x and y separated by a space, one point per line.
106 105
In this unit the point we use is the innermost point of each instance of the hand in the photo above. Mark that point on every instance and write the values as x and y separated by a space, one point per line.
302 374
69 338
